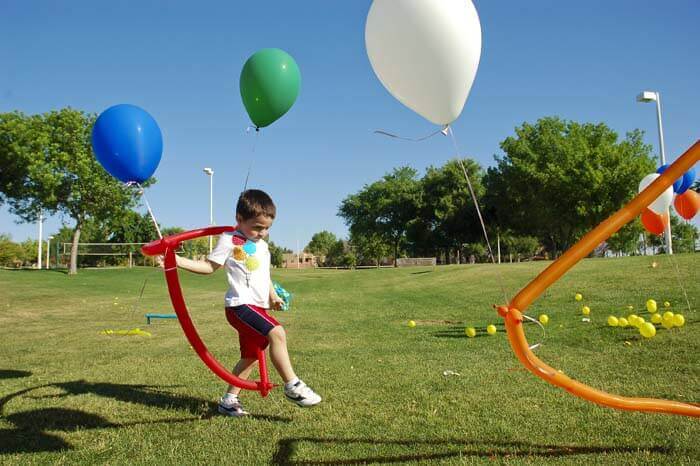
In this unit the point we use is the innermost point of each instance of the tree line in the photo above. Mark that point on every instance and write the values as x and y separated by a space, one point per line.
555 180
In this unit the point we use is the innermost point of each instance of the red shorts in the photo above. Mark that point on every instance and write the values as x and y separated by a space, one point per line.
253 324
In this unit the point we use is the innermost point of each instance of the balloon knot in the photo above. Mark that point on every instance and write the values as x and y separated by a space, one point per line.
502 310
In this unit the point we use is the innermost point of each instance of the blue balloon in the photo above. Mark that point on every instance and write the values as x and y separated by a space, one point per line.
688 179
676 184
127 142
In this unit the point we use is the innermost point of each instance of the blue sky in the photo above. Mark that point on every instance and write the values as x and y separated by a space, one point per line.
181 61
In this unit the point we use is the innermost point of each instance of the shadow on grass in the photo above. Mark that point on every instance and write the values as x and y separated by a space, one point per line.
421 273
454 448
13 374
29 433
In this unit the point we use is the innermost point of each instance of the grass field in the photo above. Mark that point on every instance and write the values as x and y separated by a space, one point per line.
70 394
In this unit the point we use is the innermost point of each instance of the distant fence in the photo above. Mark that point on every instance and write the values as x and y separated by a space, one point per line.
415 261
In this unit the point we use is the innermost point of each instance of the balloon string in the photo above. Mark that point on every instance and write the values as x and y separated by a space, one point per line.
478 211
252 156
148 206
442 131
544 332
674 264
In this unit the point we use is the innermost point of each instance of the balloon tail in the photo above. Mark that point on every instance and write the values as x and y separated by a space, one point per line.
444 130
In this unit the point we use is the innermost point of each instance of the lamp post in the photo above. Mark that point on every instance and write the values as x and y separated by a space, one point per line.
652 96
210 173
48 248
41 238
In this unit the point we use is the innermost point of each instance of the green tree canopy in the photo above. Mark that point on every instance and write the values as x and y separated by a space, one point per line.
321 243
48 166
383 211
558 179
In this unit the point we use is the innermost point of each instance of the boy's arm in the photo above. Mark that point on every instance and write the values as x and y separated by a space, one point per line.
202 267
275 301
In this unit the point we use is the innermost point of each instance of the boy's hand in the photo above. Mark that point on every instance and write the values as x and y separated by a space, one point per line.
160 262
276 302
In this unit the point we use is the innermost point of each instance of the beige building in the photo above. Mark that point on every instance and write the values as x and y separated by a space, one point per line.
304 260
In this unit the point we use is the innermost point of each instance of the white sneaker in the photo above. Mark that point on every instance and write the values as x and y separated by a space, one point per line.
302 395
232 408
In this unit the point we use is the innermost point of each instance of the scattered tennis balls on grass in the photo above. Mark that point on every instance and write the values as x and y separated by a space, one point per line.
491 329
544 319
667 304
470 331
411 323
586 310
656 318
613 321
578 296
622 322
651 305
632 319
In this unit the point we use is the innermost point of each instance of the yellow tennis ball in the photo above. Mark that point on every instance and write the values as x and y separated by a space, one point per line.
651 305
544 319
640 321
667 304
632 319
667 315
470 331
656 318
613 321
647 330
622 322
491 329
667 323
411 323
586 310
578 296
678 320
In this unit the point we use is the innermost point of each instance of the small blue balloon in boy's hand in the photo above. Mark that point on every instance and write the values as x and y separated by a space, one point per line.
285 295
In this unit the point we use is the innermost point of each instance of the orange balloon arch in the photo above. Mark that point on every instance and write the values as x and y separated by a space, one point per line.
513 312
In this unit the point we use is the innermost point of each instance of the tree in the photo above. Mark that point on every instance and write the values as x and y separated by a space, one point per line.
11 253
321 243
558 179
447 209
48 166
370 248
383 210
626 240
684 235
277 254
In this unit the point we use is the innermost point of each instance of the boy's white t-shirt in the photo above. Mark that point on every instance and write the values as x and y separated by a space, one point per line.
244 286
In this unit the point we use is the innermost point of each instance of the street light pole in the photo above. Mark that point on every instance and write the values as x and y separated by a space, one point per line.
48 248
41 238
653 96
210 173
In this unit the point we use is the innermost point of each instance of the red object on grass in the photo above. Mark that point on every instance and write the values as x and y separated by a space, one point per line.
167 247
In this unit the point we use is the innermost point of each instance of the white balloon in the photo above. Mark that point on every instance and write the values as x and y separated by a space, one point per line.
663 202
426 53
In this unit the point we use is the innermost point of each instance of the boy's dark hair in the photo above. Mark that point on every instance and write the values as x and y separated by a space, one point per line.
253 203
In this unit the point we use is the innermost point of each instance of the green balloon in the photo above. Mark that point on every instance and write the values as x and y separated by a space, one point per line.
270 82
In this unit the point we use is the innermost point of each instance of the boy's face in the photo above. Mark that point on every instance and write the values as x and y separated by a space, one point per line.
254 228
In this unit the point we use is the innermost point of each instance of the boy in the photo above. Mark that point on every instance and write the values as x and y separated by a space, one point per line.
246 259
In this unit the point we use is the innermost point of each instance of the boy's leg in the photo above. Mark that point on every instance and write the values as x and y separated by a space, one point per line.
242 369
295 390
279 354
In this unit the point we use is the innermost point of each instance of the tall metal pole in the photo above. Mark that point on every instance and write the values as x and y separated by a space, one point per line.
667 232
210 172
41 238
48 248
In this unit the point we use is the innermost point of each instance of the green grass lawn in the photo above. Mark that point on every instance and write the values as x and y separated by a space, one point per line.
70 394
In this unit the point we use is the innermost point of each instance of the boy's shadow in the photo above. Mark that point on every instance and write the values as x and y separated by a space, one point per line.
451 448
29 433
